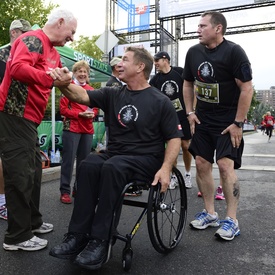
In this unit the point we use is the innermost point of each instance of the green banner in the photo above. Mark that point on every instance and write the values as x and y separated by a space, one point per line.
99 71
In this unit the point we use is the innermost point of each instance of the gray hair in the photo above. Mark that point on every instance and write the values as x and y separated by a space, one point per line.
60 13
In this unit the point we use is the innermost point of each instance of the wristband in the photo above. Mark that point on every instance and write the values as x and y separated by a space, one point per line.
190 113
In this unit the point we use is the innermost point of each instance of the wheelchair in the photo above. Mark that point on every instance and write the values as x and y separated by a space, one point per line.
166 218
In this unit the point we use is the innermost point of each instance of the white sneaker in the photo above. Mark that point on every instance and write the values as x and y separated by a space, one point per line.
32 244
173 182
44 228
187 180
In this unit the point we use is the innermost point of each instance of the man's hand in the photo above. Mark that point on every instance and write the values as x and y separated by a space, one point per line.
193 119
236 134
162 176
61 76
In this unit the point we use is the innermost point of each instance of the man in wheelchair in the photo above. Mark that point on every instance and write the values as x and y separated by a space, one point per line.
141 121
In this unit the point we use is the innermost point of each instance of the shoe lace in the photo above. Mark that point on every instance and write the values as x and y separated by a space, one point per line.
200 215
94 244
227 224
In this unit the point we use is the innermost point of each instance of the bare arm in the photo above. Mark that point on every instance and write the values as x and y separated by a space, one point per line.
189 101
62 79
75 93
246 95
171 153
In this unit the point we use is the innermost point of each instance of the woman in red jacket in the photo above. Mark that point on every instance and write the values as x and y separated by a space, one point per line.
269 124
78 131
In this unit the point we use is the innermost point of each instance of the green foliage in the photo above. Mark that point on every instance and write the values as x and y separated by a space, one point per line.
87 46
253 106
35 11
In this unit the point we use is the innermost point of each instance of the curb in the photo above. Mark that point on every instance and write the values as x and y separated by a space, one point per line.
49 174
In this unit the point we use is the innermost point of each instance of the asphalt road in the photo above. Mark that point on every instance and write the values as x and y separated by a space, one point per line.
253 252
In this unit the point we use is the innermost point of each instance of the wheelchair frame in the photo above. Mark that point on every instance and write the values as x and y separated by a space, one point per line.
166 218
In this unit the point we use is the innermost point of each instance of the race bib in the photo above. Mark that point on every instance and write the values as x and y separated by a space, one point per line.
177 105
270 122
208 92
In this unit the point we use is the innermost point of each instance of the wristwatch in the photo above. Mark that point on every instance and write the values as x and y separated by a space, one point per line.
238 123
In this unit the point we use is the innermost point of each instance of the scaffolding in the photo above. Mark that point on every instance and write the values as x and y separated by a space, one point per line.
164 33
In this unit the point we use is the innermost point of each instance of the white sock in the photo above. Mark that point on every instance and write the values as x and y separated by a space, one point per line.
2 199
187 173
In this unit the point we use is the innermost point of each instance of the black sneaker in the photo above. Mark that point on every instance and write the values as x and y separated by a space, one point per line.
94 255
133 191
73 244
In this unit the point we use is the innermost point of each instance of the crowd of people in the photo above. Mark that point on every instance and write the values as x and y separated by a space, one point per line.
199 109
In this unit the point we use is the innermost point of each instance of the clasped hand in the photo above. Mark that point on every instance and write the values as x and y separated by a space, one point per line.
61 76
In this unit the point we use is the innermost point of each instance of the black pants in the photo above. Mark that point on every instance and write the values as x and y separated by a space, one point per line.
269 131
22 170
101 180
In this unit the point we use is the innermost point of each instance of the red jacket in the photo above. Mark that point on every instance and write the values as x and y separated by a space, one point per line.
269 121
72 122
26 86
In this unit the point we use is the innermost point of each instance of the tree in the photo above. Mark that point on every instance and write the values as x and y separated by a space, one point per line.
253 106
88 46
35 11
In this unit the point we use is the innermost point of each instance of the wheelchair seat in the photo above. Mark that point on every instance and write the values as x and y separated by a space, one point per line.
166 217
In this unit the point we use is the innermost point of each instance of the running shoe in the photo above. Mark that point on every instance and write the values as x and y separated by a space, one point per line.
228 230
44 228
3 212
173 182
199 194
65 198
32 244
187 180
219 194
203 220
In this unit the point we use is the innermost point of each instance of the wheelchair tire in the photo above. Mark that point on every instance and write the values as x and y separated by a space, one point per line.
166 215
127 256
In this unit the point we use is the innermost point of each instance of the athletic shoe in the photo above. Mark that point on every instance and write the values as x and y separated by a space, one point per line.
173 182
65 198
187 180
44 228
3 212
199 194
219 194
203 220
228 230
133 191
32 244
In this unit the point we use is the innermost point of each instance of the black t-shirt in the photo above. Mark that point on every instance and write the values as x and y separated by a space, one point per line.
214 72
140 122
171 85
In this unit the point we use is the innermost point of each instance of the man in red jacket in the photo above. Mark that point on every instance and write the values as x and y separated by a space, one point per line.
24 94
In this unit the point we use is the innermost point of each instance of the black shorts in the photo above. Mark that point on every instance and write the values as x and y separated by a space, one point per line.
205 142
185 129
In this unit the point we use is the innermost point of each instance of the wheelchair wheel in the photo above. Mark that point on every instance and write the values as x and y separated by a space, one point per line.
127 256
166 215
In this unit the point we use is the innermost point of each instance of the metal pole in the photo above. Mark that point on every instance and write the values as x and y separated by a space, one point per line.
105 57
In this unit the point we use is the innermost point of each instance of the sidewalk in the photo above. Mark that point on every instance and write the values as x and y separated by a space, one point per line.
258 155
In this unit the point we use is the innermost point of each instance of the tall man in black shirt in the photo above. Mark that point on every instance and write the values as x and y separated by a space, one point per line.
169 80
